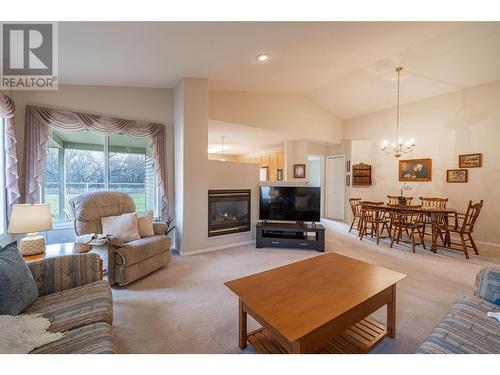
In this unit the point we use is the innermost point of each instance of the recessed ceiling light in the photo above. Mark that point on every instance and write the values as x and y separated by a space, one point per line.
263 57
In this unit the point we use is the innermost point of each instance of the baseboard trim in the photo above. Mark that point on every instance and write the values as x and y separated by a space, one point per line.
209 249
493 244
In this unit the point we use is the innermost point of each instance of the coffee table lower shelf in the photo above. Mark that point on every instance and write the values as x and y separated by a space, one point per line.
358 339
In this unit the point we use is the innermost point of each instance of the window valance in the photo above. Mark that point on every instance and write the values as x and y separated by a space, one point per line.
39 120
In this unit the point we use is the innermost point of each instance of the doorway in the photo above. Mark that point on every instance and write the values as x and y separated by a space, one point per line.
335 187
316 176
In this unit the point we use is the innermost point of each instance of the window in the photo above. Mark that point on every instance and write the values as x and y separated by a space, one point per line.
80 162
3 195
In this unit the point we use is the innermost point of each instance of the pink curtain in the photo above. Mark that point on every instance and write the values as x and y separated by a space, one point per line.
7 111
39 120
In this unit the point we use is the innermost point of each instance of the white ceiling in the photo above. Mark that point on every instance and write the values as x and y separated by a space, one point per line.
347 67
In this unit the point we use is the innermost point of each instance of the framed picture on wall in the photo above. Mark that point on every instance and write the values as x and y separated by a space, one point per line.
456 175
299 171
348 166
348 180
470 161
415 170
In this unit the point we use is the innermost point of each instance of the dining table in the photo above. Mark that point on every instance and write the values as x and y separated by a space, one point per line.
435 214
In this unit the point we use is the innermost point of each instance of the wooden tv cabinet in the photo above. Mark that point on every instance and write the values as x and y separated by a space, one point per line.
291 235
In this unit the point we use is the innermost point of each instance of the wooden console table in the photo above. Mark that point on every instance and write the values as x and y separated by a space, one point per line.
290 235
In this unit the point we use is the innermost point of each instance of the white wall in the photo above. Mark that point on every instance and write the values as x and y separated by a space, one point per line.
293 114
314 171
444 127
344 148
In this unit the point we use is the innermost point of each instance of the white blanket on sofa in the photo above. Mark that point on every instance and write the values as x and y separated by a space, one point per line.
20 334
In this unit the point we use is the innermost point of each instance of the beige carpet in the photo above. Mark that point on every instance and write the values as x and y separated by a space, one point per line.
185 308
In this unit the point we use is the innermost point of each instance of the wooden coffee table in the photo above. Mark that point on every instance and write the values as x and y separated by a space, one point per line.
318 305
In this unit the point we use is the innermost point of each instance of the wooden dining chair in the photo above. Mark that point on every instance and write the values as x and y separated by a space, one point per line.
433 202
411 222
373 218
429 203
394 199
463 226
356 212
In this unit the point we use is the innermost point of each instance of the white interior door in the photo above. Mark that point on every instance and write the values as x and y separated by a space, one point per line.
335 187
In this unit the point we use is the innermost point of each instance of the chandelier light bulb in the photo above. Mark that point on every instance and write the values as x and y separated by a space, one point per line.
399 146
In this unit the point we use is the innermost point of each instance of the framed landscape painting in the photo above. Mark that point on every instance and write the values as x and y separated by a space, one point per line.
415 170
456 175
470 161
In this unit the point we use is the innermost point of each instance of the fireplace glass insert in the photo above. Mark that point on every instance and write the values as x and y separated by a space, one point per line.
228 212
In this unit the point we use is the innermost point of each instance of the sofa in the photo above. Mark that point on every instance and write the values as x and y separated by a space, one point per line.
467 329
124 262
74 298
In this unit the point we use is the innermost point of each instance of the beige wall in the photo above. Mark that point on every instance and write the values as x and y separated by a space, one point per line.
144 104
196 174
293 114
444 127
191 165
295 153
316 149
231 175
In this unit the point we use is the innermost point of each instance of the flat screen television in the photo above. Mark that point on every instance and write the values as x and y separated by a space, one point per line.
290 203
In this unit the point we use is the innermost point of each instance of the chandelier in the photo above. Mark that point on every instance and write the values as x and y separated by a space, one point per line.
222 149
399 146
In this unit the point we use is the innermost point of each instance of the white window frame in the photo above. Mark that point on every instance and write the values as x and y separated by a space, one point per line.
66 223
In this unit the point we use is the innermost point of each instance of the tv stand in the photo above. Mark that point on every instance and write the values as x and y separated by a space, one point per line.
291 235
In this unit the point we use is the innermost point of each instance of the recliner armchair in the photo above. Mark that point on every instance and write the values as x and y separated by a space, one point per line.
126 262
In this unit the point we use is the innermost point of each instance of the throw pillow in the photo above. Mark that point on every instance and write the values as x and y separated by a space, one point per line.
123 226
145 224
17 286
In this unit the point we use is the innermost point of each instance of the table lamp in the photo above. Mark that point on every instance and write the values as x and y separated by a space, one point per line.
30 218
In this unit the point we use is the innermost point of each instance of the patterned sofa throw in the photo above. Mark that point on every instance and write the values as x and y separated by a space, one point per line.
488 285
17 287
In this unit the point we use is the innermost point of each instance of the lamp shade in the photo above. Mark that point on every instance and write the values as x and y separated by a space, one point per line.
29 218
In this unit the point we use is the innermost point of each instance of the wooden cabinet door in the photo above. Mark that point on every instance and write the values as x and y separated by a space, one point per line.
273 166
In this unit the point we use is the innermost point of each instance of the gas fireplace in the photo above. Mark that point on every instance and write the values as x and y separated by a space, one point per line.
228 212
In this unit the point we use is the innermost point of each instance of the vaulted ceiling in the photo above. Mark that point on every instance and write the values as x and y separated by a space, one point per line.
347 67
